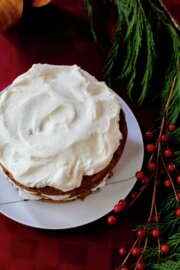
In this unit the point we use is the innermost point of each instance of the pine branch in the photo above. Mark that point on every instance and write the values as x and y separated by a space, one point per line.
174 136
150 56
169 224
133 46
89 9
174 62
177 158
169 203
138 41
164 223
123 12
167 265
151 253
113 54
174 242
132 16
134 20
174 255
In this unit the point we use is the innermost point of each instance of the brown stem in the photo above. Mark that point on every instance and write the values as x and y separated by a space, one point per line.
134 200
175 24
159 146
152 155
143 251
127 256
170 94
169 14
155 180
153 202
157 225
170 178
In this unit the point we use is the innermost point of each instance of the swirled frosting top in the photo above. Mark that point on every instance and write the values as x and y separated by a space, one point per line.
57 123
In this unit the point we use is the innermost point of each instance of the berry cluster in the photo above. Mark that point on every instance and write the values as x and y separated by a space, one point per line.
161 171
118 208
138 252
165 167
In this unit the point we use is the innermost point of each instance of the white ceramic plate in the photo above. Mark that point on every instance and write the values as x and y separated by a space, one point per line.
76 213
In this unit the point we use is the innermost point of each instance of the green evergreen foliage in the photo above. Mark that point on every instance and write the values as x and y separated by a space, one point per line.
135 45
135 42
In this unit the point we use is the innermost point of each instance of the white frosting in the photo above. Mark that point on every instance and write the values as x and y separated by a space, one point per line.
57 123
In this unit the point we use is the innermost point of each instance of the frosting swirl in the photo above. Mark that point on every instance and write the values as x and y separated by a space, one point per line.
57 124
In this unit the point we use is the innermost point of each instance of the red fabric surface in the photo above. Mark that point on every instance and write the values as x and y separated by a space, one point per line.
60 36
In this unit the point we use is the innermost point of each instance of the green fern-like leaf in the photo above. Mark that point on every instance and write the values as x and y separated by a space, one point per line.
174 243
174 62
89 9
131 15
177 158
169 203
167 265
175 135
151 253
113 54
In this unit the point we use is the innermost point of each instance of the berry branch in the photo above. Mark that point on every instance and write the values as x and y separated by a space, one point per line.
159 168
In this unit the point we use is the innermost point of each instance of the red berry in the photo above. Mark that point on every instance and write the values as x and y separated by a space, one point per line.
140 266
155 233
122 251
141 233
171 127
136 251
178 179
167 183
150 148
149 134
178 196
178 212
151 166
124 268
139 175
171 167
134 194
168 153
111 220
165 248
145 180
118 208
164 138
156 218
123 203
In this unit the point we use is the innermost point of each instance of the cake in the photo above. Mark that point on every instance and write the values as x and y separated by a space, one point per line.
62 133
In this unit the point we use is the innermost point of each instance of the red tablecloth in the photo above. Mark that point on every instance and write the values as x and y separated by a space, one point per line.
61 36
